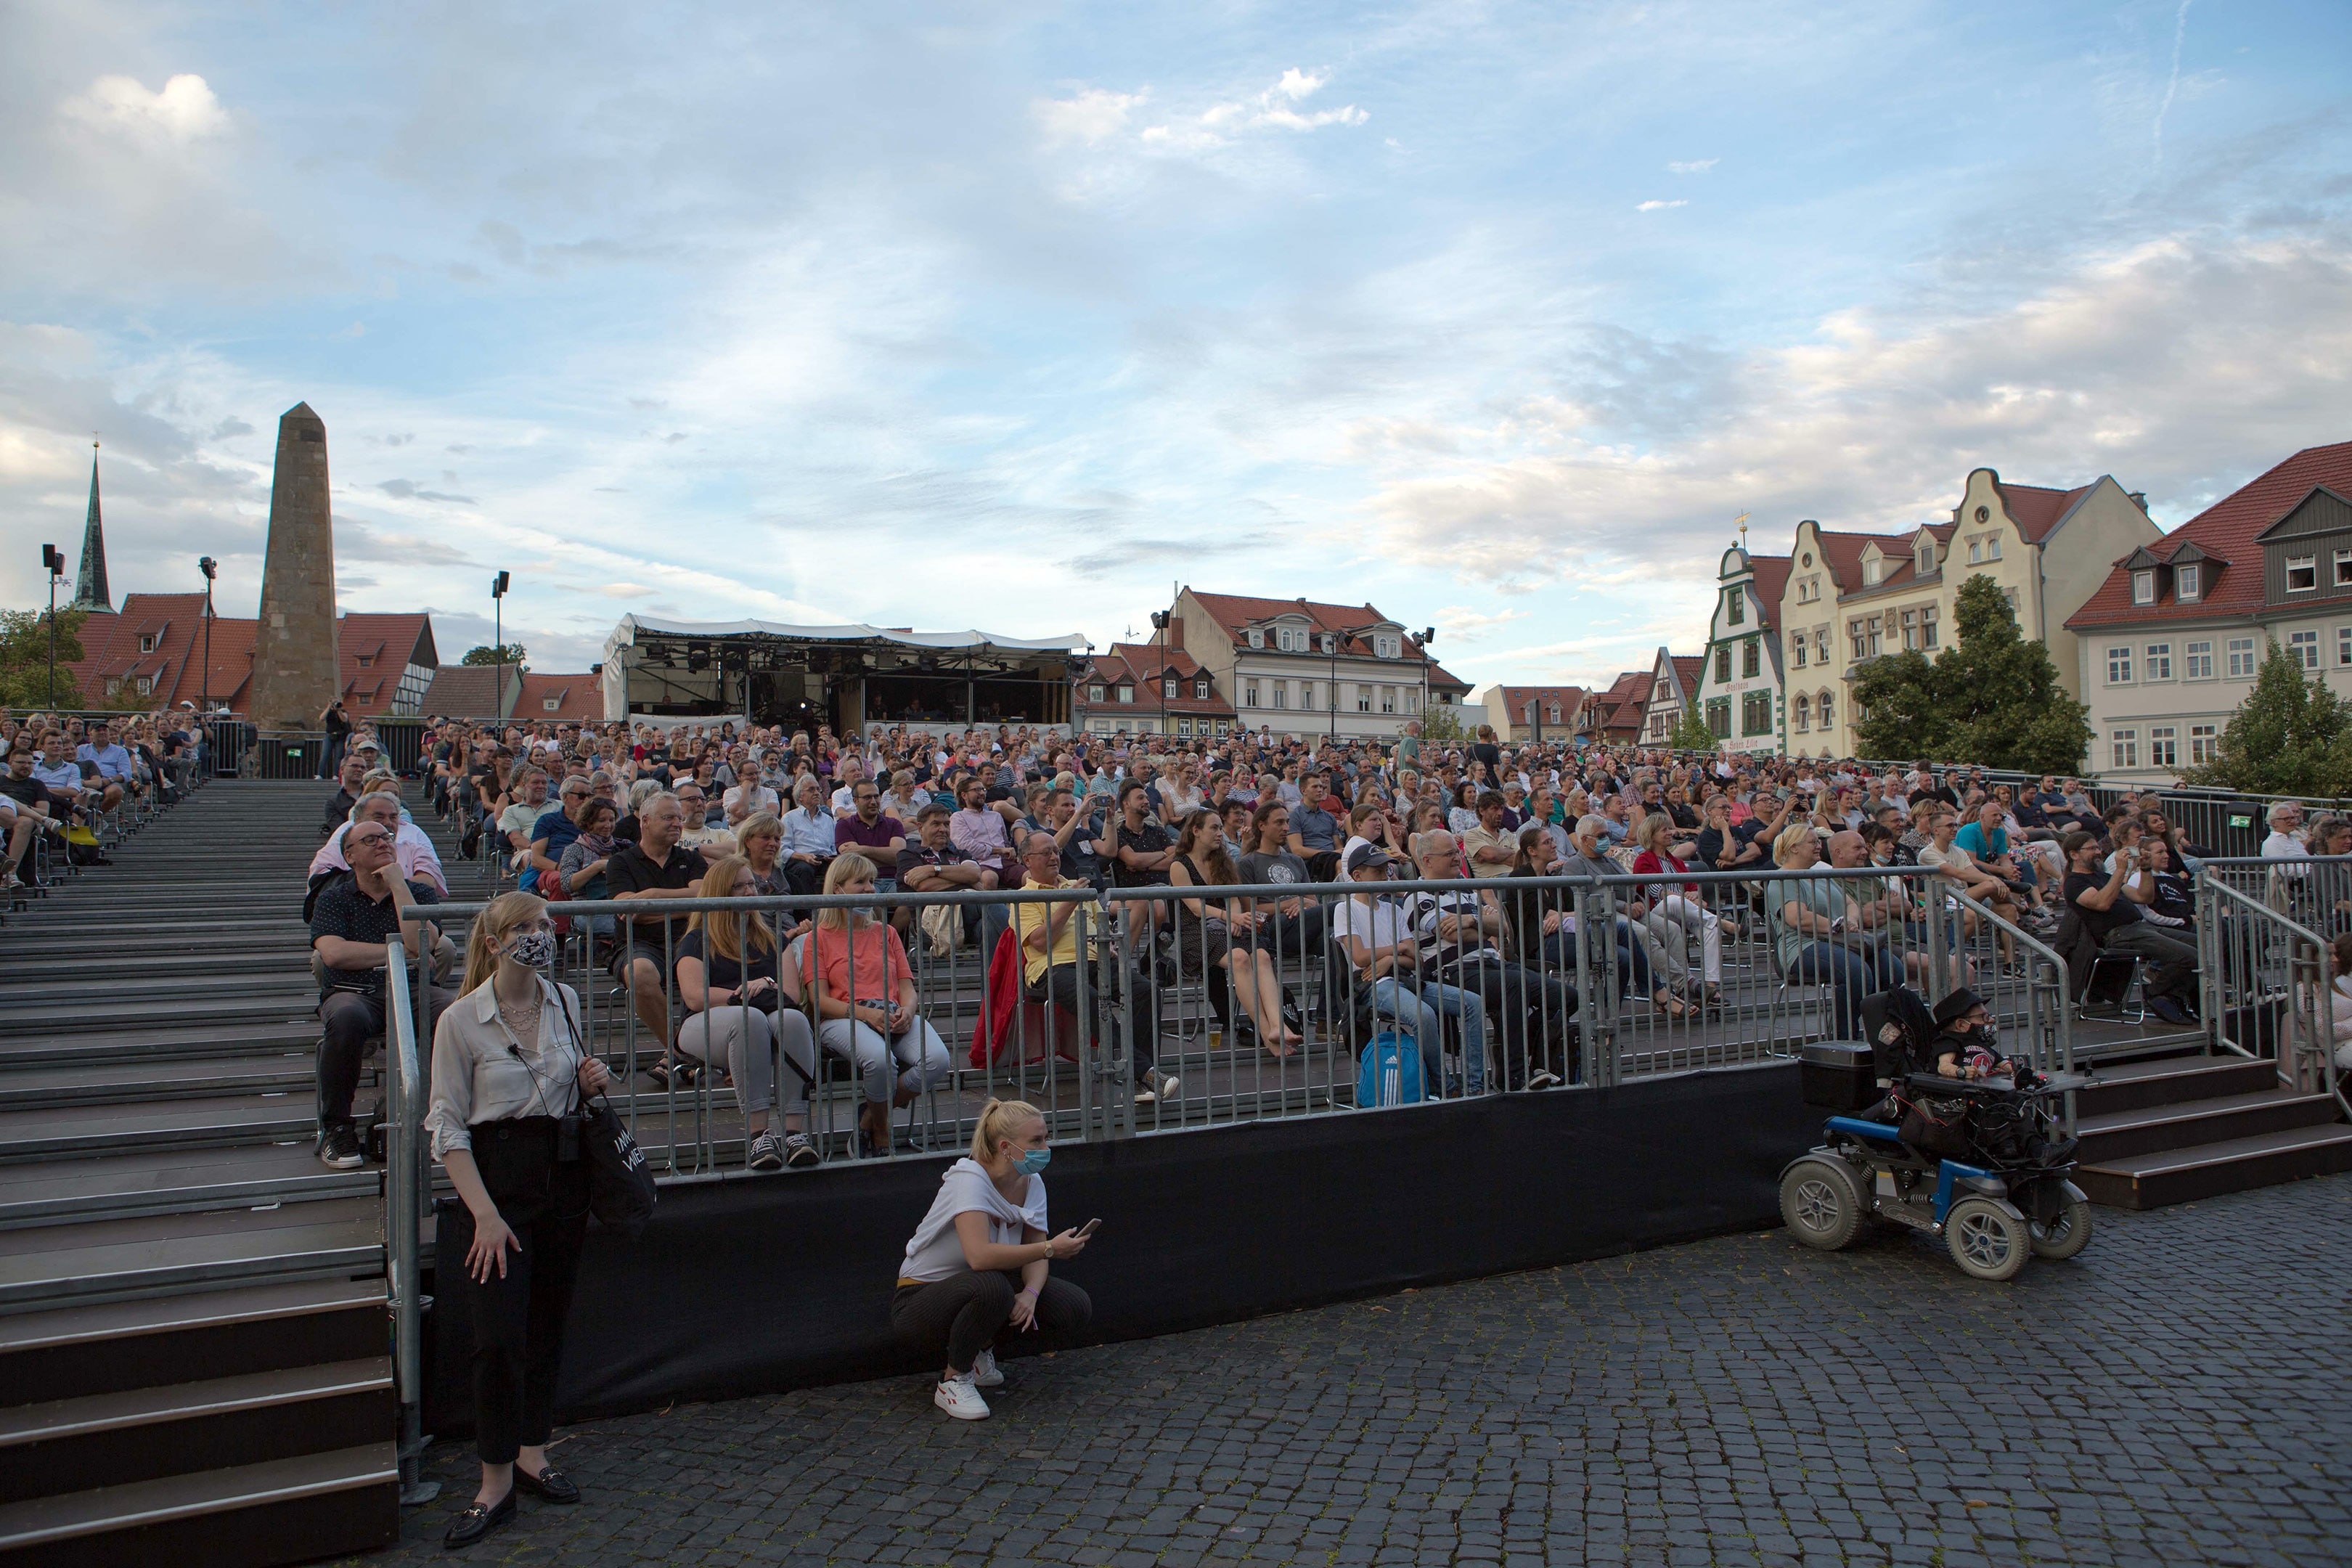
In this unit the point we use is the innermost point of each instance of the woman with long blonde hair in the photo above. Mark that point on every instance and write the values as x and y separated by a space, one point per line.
509 1066
865 1000
742 1004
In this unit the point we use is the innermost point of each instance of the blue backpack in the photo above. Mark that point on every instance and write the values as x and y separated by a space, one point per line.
1390 1073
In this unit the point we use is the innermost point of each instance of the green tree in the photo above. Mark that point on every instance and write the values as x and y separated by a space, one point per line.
24 658
485 654
1692 733
1992 698
1440 724
2290 736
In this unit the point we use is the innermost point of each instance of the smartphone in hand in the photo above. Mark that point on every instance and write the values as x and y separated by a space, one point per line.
1087 1229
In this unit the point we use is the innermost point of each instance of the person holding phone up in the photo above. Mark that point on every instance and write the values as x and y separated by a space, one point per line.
975 1273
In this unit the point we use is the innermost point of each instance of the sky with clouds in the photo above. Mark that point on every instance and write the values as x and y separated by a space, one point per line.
1012 315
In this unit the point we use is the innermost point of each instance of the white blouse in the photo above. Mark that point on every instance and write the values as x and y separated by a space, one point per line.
477 1077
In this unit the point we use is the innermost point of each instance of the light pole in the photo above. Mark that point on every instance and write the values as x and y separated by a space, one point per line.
1159 677
1428 636
1339 638
54 560
1080 664
210 568
499 653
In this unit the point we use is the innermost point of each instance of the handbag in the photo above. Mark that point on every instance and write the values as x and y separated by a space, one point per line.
621 1190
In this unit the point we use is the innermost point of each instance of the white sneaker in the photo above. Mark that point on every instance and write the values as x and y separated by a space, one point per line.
959 1398
984 1371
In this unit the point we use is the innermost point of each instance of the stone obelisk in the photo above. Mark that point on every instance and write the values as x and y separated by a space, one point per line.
295 672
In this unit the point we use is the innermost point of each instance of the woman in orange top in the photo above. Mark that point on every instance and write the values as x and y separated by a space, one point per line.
865 1004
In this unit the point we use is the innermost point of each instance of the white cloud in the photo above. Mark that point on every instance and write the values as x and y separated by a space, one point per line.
184 111
1659 207
1094 115
1296 84
1696 166
1269 111
1463 623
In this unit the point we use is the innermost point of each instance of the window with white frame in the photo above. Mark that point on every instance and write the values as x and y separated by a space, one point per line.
147 643
1249 693
2188 581
1928 627
1552 716
1126 692
2303 647
2344 568
1800 713
2203 743
2124 748
1200 689
1256 637
1926 567
2144 585
2301 573
1910 630
1872 571
2241 651
1801 647
1094 692
2156 661
1307 694
1412 701
2344 645
2197 661
1992 547
1387 698
1282 694
1823 714
1821 644
2119 666
1167 686
1363 700
2163 746
1387 645
1976 551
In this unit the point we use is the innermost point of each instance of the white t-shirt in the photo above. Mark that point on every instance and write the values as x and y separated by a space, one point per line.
1380 925
936 1252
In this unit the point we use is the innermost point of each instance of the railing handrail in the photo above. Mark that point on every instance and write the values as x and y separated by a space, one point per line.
404 1241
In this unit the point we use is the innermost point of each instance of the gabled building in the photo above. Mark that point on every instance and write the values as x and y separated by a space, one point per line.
1295 666
1146 688
150 654
1614 717
1851 597
1525 714
1674 687
2170 639
1740 679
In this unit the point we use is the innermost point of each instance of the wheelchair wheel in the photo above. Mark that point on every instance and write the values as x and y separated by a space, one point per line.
1986 1240
1822 1202
2064 1236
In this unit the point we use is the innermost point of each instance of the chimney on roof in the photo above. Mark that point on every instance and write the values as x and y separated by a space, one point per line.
2138 499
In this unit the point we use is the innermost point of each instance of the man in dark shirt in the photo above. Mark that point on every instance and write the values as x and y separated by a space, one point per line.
32 816
340 803
655 867
879 837
2109 905
930 863
1925 787
552 833
350 923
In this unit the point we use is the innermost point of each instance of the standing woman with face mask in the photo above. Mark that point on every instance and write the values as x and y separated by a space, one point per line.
508 1067
976 1271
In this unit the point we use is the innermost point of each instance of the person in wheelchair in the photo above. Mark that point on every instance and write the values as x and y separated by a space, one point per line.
1967 1043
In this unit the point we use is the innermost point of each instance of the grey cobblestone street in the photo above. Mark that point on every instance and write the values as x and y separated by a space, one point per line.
2178 1394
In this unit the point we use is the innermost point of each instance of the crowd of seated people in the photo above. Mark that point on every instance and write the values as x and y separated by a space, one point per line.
73 783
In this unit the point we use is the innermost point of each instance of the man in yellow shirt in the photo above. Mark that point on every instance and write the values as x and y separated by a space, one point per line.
1050 960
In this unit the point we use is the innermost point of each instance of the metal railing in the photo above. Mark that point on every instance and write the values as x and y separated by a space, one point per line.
2265 972
407 1184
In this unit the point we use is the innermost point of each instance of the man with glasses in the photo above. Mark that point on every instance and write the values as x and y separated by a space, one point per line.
518 820
552 833
698 833
350 923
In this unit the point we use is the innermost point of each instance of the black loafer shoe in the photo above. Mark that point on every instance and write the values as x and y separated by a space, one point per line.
478 1521
550 1483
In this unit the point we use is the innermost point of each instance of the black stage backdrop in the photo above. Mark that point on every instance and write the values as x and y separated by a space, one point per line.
769 1283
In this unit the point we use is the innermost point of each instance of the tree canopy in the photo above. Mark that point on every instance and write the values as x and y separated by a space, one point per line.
1992 697
2290 736
24 659
1691 733
485 654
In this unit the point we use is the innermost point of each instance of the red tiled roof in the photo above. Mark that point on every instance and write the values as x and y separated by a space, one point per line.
579 699
467 691
1771 581
1688 668
1515 699
2035 508
2226 533
1142 666
1236 613
110 649
389 643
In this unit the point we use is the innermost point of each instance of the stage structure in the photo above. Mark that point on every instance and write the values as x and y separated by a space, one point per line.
854 678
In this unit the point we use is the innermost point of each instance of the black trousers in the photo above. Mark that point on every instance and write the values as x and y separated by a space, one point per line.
347 1020
519 1319
1059 985
1529 1016
971 1311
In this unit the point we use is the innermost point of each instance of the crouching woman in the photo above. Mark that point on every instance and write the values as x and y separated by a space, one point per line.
977 1271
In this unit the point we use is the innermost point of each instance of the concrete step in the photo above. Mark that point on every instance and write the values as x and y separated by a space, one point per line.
122 1083
99 1016
174 1181
121 1259
282 1511
299 1033
275 976
2171 1081
2205 1170
120 1345
81 1132
2123 1134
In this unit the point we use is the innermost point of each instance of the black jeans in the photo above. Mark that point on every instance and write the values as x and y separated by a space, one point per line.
1527 1014
971 1311
518 1319
1060 986
347 1020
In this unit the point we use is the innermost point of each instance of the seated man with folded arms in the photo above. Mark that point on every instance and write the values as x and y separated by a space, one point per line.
349 924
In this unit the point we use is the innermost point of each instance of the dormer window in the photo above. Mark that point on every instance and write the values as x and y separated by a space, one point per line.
1256 637
1201 688
1126 692
1331 643
1094 692
1168 686
1873 569
1927 566
2344 568
2144 585
2188 582
147 642
2301 573
1387 645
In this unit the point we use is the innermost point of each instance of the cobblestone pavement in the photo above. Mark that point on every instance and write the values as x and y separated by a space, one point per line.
2177 1395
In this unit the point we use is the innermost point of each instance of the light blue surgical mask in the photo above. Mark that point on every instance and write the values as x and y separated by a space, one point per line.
1032 1160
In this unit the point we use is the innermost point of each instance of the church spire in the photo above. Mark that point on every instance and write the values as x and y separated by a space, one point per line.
90 587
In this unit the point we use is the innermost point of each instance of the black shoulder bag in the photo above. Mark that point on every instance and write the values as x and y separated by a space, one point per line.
620 1191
